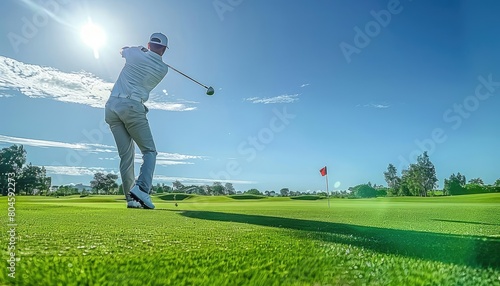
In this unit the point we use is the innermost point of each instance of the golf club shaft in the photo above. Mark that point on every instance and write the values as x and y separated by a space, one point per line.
187 76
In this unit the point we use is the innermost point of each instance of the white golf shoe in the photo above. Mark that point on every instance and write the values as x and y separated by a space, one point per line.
133 205
143 198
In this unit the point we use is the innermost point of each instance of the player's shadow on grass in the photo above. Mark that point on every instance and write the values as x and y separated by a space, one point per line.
466 222
472 251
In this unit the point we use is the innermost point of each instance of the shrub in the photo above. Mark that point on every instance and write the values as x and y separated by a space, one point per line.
247 197
307 197
364 191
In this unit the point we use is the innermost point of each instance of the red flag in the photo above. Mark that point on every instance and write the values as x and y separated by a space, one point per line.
323 171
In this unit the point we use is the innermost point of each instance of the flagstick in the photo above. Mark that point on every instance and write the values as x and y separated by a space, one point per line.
327 192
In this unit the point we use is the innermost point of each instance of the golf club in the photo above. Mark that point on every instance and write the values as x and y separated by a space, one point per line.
210 90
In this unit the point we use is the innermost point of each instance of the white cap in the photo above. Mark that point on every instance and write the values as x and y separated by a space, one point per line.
159 39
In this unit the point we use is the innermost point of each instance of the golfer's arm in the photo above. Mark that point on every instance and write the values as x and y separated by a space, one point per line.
121 51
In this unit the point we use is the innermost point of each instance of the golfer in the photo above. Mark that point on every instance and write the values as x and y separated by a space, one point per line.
125 113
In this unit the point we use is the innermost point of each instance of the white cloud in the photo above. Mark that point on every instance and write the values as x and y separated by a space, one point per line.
176 156
163 158
109 158
161 162
74 87
251 98
55 144
285 98
166 159
77 171
90 171
169 106
371 105
169 162
305 84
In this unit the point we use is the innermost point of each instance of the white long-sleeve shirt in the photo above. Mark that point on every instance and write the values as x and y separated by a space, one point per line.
142 72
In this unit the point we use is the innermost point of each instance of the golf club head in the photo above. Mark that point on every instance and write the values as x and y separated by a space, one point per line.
210 91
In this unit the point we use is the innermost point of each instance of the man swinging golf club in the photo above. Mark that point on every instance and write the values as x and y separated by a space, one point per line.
125 113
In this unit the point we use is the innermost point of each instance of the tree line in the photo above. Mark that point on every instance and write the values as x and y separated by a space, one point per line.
29 179
106 184
217 189
419 179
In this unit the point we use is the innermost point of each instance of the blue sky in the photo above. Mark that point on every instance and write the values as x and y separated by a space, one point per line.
290 97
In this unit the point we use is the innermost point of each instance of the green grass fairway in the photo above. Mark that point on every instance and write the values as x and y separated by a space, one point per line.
262 241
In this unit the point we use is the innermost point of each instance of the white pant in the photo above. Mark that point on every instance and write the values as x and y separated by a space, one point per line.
128 122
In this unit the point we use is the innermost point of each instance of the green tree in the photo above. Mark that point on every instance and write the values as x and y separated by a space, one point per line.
420 178
495 188
455 185
104 182
477 181
111 185
229 189
408 178
497 183
98 182
33 178
177 186
120 189
253 192
364 191
66 191
427 175
191 189
476 189
199 190
285 192
382 192
323 194
12 160
158 189
85 193
167 189
48 184
392 179
217 189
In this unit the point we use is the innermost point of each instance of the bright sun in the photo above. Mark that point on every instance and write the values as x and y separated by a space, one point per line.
93 36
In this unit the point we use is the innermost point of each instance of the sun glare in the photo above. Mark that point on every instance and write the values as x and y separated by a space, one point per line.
93 36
